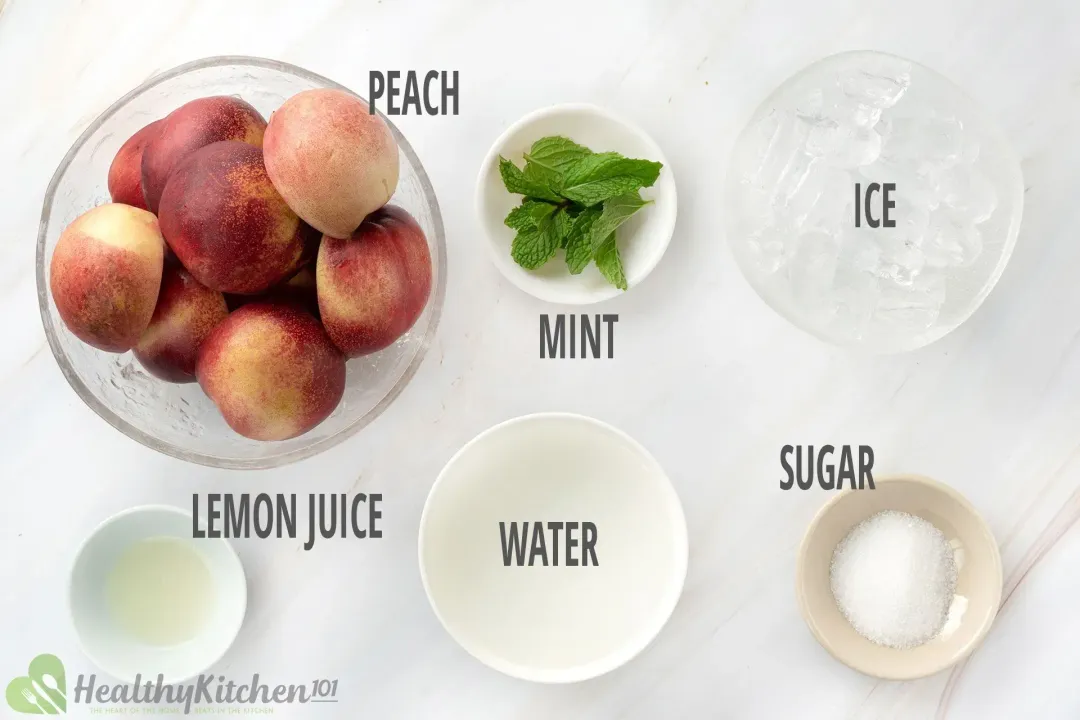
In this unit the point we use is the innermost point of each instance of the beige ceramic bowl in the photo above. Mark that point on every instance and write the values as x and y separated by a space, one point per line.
978 585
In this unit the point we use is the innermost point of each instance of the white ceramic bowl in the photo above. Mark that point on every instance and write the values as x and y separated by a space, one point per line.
108 646
562 623
642 239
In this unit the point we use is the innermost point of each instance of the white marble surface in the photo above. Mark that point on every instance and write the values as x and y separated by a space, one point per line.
705 376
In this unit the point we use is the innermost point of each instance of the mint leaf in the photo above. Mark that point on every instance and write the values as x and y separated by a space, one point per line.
579 247
597 177
564 225
550 158
534 246
556 154
530 213
595 224
516 182
609 262
542 176
617 210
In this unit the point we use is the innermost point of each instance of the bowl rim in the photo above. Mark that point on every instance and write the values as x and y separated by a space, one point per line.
155 509
271 460
496 249
636 644
931 668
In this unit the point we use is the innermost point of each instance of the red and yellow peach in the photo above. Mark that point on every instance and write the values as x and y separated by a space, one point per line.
125 172
105 275
192 126
228 225
373 286
272 371
185 314
332 159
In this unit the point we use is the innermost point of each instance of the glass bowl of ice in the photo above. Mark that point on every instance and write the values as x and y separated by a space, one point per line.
872 203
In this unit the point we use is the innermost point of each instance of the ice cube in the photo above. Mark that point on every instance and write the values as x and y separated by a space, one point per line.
830 106
853 311
753 145
928 144
914 306
912 220
949 242
833 208
878 82
844 146
861 252
821 200
967 192
790 185
784 147
769 253
913 189
755 209
865 116
822 137
901 259
813 266
970 149
854 294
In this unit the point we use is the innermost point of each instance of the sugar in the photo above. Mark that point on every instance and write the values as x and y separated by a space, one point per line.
893 577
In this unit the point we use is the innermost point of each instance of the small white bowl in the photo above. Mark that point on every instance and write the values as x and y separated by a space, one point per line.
978 587
553 624
642 239
112 649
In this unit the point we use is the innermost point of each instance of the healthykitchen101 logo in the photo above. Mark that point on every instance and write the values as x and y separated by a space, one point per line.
43 691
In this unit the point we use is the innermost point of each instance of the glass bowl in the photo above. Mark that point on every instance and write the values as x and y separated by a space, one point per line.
856 119
179 420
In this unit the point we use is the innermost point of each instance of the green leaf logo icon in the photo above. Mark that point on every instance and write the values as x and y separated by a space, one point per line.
42 691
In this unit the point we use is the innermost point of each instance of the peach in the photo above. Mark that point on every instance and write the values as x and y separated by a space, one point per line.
105 275
272 371
192 126
125 173
227 225
299 290
185 314
373 286
332 160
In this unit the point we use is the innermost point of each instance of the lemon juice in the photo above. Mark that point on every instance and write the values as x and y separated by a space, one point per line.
160 591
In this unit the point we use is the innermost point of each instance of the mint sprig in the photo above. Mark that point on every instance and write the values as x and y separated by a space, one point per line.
574 199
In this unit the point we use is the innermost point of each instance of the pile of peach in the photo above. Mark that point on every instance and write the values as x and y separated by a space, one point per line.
253 257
